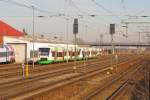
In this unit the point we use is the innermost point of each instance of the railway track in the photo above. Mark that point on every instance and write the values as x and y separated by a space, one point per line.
123 88
9 66
69 68
128 74
62 68
16 66
7 95
44 68
10 71
78 85
22 83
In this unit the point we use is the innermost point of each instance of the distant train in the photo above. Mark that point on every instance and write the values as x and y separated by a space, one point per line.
52 54
7 54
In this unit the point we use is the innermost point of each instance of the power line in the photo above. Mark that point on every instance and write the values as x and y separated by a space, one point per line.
30 7
71 2
124 7
105 9
16 3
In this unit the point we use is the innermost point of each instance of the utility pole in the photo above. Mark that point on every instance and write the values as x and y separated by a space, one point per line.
126 29
67 20
100 41
85 52
33 36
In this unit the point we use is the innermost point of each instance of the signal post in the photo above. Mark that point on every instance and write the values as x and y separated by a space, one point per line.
112 32
75 32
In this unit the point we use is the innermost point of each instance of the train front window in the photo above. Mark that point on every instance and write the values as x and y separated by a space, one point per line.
44 51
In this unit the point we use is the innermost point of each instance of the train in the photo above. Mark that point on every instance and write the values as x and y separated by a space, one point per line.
48 53
61 53
7 54
51 53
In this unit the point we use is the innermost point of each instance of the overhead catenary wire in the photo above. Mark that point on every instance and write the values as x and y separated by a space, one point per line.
73 4
56 14
124 7
82 13
105 9
142 11
45 11
30 7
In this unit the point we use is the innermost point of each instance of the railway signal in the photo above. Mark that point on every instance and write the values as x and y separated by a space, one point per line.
75 26
112 29
112 32
75 32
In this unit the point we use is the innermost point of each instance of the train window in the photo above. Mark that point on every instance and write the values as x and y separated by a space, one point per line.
44 51
60 54
70 53
53 53
2 54
73 53
78 53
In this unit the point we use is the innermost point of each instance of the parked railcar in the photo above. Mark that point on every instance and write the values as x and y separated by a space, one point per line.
59 57
46 56
3 57
7 54
59 53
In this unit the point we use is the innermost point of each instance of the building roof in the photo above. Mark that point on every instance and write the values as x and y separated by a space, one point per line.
42 38
7 30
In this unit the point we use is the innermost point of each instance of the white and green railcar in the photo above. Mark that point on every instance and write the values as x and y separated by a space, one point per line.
45 55
59 53
48 55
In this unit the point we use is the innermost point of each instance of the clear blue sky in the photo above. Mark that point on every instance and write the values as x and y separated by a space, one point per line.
106 11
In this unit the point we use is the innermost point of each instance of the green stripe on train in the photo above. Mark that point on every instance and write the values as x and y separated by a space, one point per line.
46 62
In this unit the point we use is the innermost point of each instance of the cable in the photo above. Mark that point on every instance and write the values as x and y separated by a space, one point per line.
124 7
142 11
72 3
16 3
30 7
105 9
